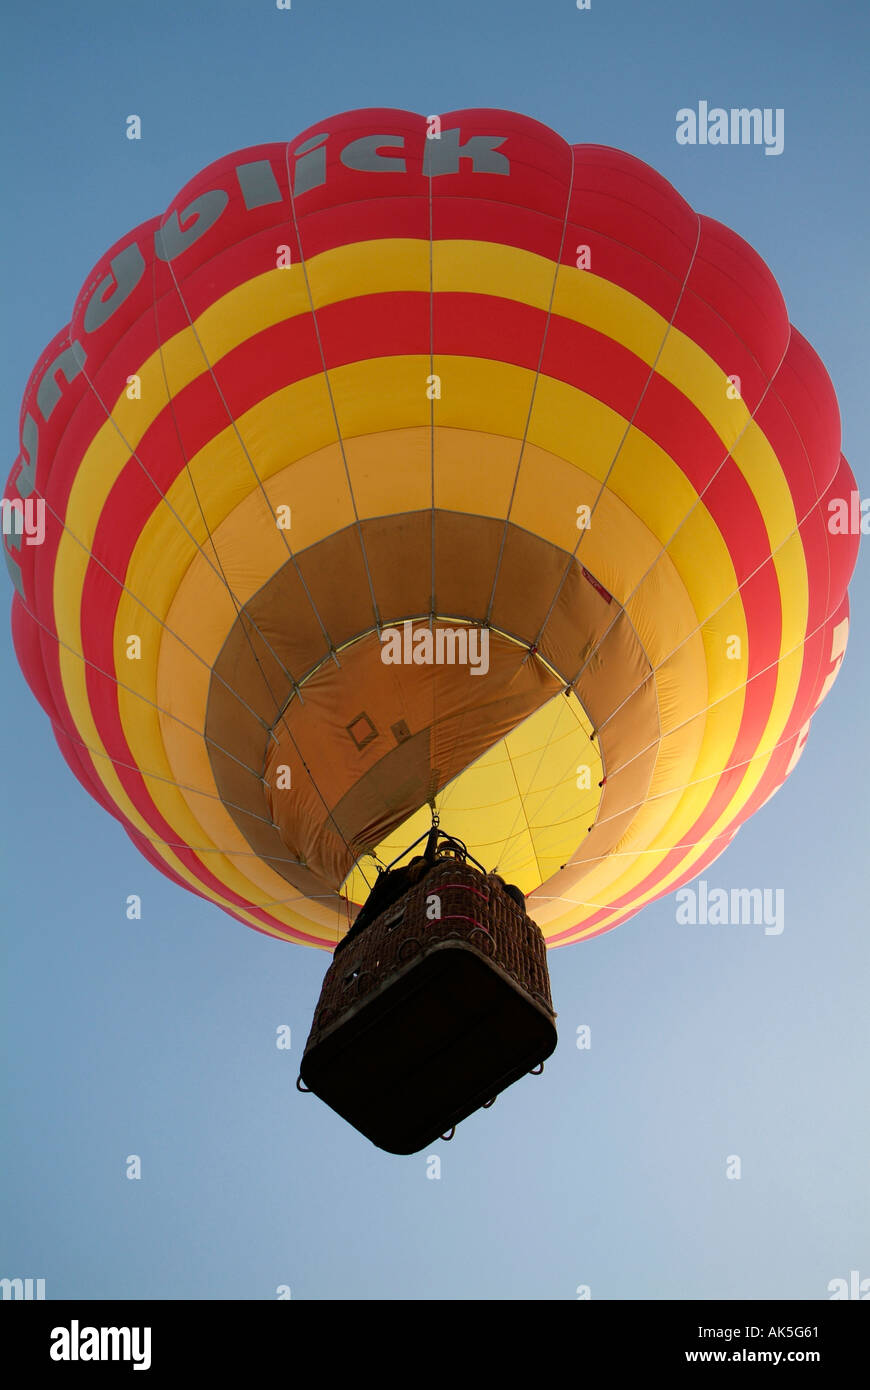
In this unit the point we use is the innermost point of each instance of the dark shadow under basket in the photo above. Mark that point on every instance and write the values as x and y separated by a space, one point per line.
436 1007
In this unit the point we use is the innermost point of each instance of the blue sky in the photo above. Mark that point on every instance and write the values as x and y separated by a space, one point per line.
157 1037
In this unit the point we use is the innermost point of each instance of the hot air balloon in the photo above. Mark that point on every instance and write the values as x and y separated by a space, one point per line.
430 467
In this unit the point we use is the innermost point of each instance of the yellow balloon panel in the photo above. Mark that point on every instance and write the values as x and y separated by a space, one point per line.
522 807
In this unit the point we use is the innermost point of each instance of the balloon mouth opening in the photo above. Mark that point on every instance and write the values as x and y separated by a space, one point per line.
511 708
424 711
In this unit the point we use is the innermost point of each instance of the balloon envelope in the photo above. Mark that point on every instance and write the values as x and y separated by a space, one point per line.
405 465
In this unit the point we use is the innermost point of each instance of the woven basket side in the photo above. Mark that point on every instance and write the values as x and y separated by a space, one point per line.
456 902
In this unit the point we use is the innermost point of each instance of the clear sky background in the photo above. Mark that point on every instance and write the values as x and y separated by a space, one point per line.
157 1037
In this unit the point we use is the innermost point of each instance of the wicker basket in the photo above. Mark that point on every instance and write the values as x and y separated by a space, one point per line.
435 1007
